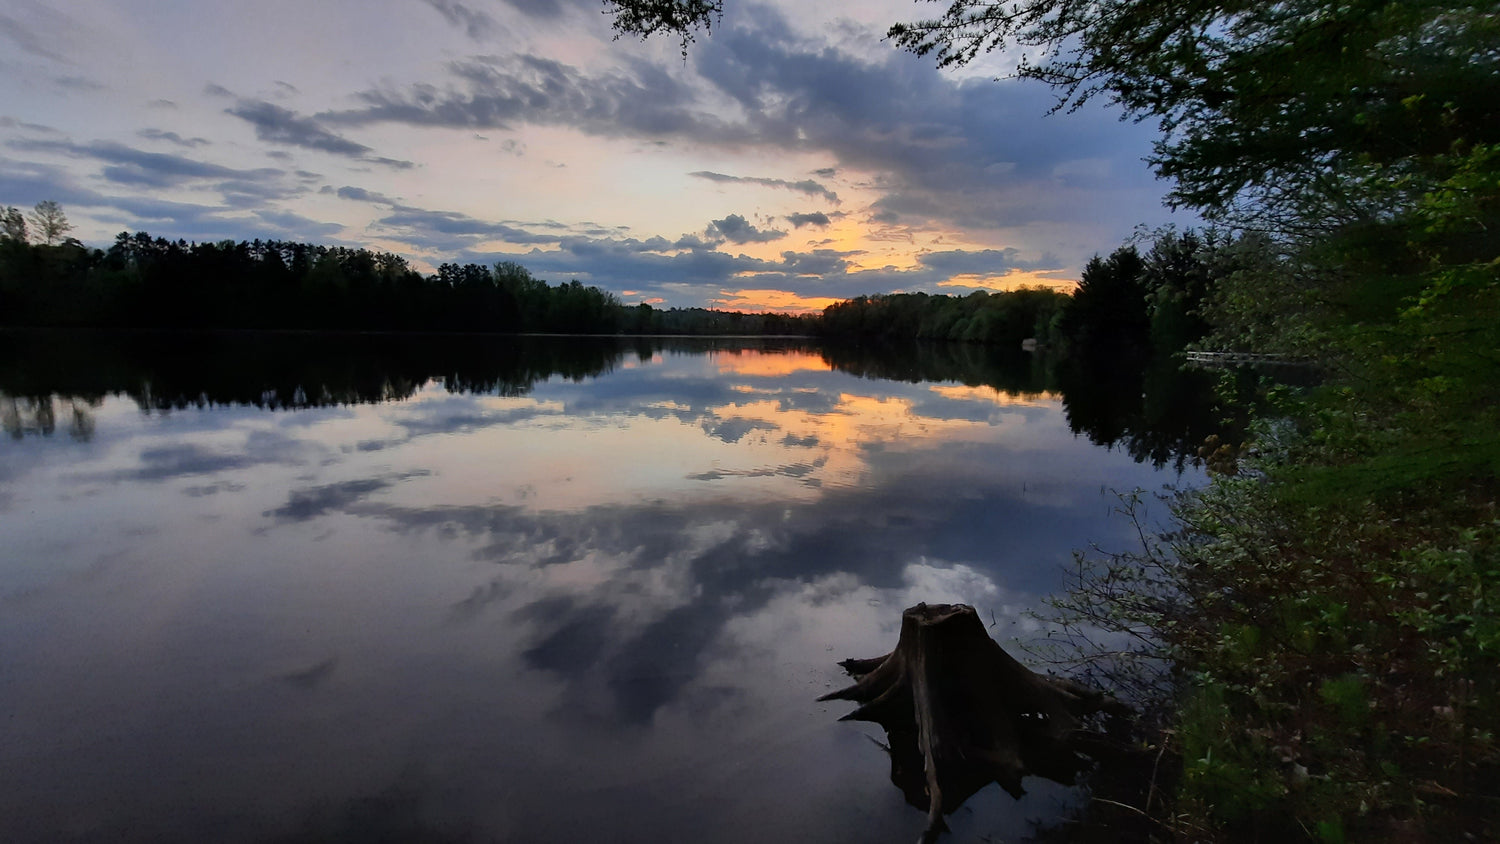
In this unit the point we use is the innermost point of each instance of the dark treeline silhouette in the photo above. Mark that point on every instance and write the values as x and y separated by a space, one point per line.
980 317
54 378
1125 303
1134 305
146 282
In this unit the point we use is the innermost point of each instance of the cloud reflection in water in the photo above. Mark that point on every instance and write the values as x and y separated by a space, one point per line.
606 603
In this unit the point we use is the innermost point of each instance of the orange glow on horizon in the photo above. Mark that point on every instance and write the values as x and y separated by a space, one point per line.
1013 280
770 301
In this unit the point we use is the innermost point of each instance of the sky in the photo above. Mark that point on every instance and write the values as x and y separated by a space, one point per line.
790 159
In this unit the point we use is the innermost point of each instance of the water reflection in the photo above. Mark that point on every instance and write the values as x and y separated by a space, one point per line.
504 595
1153 408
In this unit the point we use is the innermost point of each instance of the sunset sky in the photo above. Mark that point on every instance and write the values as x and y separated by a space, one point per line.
791 159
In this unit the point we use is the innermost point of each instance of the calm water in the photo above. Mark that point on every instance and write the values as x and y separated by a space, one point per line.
285 589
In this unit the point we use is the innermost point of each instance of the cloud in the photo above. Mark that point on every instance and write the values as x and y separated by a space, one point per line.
501 92
969 153
456 229
172 137
815 218
475 23
28 40
360 195
279 125
306 504
305 228
13 123
982 261
807 186
79 83
131 166
30 182
737 229
169 462
542 9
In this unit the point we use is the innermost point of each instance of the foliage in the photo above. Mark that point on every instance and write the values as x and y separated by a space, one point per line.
1339 665
1263 107
49 221
1133 306
1003 319
13 226
644 18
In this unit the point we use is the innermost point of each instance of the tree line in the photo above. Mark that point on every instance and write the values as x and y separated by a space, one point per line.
141 281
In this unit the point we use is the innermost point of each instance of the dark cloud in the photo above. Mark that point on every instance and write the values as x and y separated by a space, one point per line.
172 137
131 166
818 262
983 261
312 676
22 36
543 9
737 229
474 22
973 153
815 218
500 92
454 228
13 123
180 461
306 504
79 83
278 125
807 186
27 182
213 489
303 227
654 266
359 195
244 193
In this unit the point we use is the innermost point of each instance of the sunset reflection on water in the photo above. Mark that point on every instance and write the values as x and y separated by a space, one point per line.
602 602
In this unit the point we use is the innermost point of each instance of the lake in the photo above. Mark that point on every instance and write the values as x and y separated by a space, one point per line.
305 588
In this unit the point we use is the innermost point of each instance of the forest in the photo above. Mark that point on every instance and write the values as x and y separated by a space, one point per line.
146 282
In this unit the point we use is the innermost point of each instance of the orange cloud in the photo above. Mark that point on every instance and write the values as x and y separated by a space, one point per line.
770 301
1012 280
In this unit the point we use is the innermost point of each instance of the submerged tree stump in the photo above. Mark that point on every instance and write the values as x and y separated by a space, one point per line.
959 712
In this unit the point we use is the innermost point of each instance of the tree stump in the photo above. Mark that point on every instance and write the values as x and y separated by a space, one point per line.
959 712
